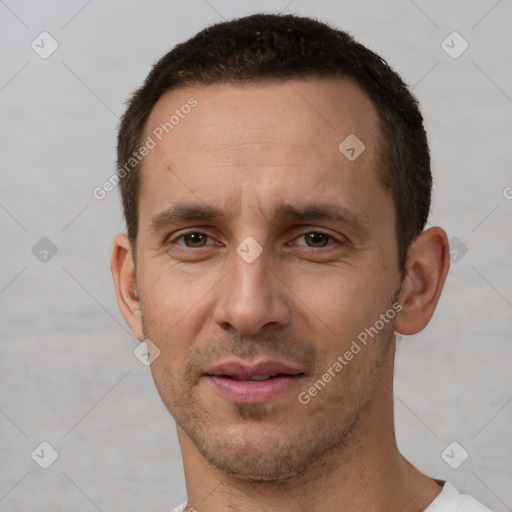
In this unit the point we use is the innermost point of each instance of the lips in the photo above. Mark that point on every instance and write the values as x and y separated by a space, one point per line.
242 383
265 370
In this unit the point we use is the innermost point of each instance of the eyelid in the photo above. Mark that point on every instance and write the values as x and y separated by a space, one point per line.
336 239
303 232
180 234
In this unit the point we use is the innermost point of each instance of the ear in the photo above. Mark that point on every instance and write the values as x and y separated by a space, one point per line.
428 262
123 272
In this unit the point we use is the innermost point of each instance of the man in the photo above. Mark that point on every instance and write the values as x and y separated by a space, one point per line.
275 178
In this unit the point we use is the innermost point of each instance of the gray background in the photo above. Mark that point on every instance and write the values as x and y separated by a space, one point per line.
67 372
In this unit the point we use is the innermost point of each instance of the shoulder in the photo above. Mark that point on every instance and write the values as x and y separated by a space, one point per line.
450 500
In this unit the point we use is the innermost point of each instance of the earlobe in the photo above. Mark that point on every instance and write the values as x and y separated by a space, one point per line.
428 263
123 273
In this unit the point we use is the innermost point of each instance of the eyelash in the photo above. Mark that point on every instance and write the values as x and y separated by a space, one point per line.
184 247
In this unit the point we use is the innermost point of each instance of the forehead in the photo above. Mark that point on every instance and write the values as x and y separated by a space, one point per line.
250 143
233 112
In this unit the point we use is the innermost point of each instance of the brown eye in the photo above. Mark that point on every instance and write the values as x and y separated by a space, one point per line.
194 239
316 239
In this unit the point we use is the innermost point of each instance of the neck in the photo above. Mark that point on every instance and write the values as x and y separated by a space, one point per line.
366 473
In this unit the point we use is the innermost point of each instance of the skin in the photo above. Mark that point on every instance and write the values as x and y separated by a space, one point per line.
246 148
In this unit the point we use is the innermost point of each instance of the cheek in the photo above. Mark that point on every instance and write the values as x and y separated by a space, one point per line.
174 296
337 307
174 311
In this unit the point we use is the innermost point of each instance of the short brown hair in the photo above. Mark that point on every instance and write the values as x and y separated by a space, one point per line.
268 46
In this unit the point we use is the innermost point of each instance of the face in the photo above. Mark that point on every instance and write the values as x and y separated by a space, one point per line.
264 253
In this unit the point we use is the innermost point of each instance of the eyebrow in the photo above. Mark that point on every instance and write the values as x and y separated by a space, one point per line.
182 212
186 212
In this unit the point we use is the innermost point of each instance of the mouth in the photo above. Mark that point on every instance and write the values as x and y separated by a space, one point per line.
258 378
241 383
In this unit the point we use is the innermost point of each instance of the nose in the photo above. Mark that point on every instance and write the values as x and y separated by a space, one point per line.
251 297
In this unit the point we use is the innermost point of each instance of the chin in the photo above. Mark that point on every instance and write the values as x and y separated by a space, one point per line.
262 452
258 467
